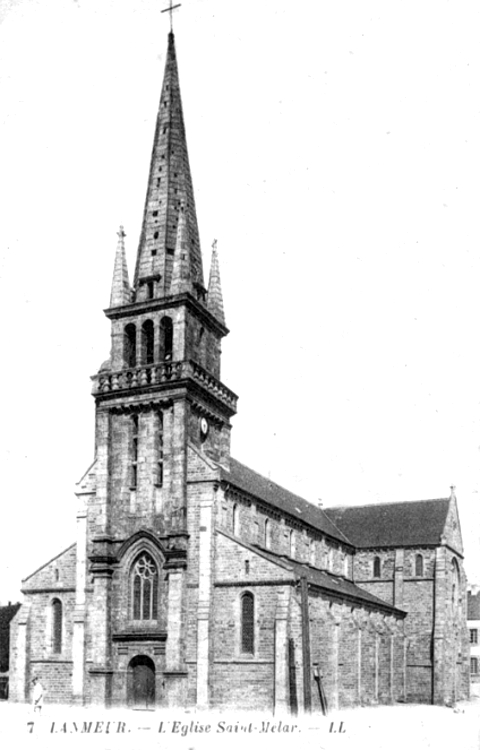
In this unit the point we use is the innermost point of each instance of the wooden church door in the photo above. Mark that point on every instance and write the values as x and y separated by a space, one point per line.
141 682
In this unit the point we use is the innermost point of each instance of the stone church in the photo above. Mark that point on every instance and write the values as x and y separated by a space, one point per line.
196 581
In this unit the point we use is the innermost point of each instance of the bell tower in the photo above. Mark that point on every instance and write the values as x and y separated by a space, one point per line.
159 393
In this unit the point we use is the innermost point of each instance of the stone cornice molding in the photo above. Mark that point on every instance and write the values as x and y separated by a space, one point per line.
167 303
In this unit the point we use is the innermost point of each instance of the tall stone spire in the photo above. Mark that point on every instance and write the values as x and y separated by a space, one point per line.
181 274
169 187
215 297
121 294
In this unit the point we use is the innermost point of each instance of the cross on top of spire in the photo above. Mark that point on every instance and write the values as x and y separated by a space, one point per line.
170 10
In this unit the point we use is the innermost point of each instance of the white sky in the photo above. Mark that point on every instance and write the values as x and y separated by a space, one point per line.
335 155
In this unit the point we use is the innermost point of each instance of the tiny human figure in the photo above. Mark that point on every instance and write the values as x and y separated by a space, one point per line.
37 695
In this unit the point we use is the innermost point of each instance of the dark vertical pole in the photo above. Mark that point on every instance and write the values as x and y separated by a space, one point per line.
307 683
292 677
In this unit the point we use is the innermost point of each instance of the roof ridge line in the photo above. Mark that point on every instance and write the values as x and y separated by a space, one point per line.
393 502
262 476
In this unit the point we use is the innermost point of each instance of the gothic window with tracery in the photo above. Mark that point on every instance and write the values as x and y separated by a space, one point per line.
145 588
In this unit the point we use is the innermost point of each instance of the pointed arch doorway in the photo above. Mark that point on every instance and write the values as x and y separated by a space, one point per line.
141 682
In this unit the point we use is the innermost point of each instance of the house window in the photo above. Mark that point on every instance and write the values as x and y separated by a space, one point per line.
376 567
473 665
57 617
248 623
419 566
166 339
130 345
474 636
144 588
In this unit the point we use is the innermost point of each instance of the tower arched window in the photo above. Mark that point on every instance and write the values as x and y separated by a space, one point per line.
419 566
248 623
57 617
166 339
144 588
147 342
130 345
377 567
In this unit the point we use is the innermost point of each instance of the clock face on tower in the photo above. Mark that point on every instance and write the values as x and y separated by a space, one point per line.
203 428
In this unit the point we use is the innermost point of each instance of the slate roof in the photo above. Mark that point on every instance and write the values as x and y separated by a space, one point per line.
473 606
320 578
333 583
243 478
392 524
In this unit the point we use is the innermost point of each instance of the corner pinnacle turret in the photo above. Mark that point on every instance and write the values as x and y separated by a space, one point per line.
121 292
169 189
215 297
